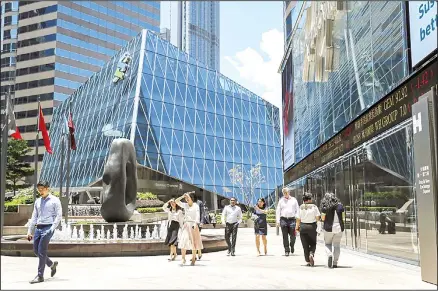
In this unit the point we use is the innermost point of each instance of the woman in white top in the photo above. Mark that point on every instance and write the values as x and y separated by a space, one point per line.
174 222
307 221
190 236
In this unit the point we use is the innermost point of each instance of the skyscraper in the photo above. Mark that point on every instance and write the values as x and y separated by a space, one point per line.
49 48
195 29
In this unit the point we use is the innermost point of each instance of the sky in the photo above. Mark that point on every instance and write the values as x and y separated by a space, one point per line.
251 44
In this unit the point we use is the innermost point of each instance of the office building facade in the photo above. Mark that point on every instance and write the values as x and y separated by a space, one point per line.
347 95
195 28
189 124
49 48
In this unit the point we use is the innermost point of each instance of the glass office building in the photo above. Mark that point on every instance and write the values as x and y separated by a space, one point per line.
189 124
340 71
49 48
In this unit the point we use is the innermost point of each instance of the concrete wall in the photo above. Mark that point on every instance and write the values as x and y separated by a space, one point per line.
20 217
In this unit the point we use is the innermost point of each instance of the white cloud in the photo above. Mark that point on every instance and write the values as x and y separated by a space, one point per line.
260 74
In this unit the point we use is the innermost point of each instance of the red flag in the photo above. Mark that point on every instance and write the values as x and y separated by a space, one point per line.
42 127
71 129
12 126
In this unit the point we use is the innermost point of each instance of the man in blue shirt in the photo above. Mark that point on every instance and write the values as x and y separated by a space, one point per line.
47 213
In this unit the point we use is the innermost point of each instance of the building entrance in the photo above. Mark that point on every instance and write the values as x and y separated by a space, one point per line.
375 184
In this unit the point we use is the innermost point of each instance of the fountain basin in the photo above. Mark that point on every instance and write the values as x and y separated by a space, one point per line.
106 248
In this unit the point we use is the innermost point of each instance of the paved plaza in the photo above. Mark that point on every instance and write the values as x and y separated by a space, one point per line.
218 271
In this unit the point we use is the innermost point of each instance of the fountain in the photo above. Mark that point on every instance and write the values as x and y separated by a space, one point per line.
118 206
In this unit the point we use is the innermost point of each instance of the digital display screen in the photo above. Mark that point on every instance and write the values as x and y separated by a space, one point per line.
423 29
388 112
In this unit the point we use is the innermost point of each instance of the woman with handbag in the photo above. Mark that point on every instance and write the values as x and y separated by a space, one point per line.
175 221
260 224
190 236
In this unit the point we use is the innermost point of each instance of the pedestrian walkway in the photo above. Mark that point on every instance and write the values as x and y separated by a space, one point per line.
218 271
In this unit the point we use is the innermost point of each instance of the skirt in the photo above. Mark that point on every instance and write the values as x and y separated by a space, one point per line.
172 234
190 238
260 227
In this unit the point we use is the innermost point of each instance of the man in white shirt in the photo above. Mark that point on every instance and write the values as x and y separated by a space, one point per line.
287 211
231 217
46 216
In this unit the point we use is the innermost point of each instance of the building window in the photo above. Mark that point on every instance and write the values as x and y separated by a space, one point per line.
34 84
37 26
36 40
8 61
36 55
37 12
11 20
7 76
36 69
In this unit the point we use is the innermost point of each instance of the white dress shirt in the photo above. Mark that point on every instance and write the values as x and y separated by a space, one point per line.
308 213
46 211
232 214
287 208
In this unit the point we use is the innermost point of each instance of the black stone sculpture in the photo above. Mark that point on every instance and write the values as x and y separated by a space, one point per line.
119 182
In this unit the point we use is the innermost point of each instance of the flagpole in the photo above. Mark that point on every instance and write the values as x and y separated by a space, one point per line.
61 168
4 160
37 137
67 186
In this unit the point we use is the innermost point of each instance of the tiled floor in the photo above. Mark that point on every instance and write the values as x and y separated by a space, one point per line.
218 271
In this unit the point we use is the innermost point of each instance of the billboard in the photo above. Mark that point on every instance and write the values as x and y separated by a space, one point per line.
288 114
423 29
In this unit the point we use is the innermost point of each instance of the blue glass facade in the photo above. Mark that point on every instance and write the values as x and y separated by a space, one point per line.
185 120
370 59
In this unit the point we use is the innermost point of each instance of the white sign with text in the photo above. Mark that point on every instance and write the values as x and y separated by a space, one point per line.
423 29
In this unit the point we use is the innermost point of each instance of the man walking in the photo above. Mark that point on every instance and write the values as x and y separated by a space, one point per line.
47 213
231 217
286 213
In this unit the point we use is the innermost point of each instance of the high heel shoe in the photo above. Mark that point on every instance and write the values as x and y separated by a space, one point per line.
199 257
173 257
193 261
183 262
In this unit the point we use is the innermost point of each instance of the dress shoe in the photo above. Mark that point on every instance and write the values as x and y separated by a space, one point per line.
286 254
312 261
228 253
330 262
53 268
37 279
334 266
232 254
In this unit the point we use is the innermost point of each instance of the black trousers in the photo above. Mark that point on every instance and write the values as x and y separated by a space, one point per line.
288 230
231 235
308 239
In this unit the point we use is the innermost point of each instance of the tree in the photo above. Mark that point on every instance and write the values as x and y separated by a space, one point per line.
16 168
247 181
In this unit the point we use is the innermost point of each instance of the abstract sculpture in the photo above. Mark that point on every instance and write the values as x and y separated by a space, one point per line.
119 182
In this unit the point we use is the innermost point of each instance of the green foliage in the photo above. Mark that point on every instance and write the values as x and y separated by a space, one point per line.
150 210
146 196
11 208
23 196
16 169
